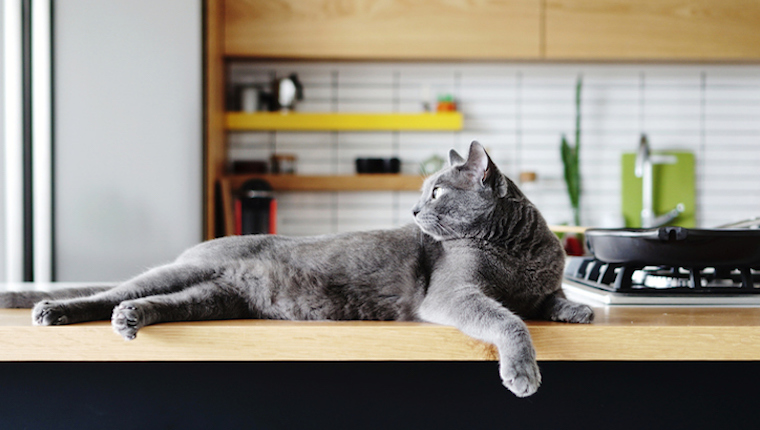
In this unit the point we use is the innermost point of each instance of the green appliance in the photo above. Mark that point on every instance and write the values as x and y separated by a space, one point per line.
673 185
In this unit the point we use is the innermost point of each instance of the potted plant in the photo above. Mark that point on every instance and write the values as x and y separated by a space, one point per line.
572 173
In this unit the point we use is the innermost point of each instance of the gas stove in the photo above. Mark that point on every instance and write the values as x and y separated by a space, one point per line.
592 281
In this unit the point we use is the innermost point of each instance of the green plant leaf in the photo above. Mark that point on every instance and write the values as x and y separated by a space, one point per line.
571 158
570 162
578 87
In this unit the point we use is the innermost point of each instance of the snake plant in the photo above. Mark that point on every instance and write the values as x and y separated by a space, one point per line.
570 159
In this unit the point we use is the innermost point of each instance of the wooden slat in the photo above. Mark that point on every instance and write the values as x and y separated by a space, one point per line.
618 333
344 121
393 29
653 29
215 152
363 182
228 206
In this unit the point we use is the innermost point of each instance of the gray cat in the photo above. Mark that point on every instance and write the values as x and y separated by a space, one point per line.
479 257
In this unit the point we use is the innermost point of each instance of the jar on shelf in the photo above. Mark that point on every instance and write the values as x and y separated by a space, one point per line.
283 164
249 99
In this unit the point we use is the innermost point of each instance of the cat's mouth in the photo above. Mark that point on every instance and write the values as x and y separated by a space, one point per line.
432 226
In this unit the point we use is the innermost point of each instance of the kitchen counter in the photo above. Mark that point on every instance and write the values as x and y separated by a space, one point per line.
617 334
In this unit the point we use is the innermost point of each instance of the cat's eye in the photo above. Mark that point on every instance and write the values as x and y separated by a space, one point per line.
437 191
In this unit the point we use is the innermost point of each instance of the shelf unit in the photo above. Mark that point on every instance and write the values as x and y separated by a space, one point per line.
561 30
296 121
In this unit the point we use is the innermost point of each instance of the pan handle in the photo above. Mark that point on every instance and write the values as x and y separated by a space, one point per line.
747 223
672 234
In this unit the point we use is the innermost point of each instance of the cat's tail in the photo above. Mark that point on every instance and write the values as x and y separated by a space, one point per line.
27 299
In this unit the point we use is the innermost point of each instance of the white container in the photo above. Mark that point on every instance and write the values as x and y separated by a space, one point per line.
249 99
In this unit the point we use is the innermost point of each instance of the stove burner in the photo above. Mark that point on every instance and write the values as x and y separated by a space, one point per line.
658 280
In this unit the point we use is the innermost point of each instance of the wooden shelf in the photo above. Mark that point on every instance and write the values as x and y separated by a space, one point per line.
296 121
362 182
618 333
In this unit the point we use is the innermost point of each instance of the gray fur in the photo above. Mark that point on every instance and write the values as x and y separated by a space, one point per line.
479 257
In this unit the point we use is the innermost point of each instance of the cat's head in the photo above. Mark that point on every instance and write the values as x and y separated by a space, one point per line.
459 200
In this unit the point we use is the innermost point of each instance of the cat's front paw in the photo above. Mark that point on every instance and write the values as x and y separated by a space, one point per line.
126 320
576 313
50 313
520 376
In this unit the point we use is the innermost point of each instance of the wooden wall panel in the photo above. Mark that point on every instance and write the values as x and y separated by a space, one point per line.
653 29
215 149
383 29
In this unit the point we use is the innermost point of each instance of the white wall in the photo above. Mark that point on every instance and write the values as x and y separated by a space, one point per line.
128 135
2 149
519 112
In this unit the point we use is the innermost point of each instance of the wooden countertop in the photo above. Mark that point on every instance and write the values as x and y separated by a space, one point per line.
618 333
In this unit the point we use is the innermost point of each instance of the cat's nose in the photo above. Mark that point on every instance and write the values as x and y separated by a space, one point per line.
415 211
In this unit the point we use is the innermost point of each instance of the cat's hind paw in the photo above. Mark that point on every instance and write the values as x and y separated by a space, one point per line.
49 313
126 320
521 377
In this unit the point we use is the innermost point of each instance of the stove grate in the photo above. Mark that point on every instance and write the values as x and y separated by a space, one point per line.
641 279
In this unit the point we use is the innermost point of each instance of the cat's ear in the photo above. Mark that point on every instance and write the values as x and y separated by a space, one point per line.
481 168
455 158
477 161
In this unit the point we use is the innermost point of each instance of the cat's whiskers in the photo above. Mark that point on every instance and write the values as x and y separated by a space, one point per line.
446 229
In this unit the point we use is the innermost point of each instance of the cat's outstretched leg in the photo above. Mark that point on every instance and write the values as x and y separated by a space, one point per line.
479 316
27 299
206 301
557 308
161 280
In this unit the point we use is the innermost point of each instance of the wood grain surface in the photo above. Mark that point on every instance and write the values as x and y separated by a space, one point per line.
618 333
386 29
359 182
214 142
652 30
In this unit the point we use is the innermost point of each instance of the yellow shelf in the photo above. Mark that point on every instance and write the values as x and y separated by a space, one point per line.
362 182
296 121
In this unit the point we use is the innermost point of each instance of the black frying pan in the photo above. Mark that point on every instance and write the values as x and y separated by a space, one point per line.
677 246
